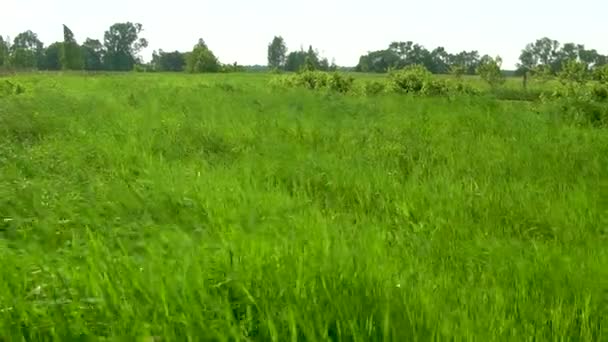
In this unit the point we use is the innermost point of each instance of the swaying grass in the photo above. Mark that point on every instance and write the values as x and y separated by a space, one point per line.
215 208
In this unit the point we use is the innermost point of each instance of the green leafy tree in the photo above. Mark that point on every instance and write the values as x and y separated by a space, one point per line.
489 71
93 54
574 72
71 53
312 61
4 51
201 59
469 60
277 53
295 60
122 46
600 74
440 61
168 61
543 52
379 61
27 50
52 57
457 70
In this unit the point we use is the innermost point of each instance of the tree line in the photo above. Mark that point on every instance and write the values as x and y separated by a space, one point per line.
545 56
122 44
119 51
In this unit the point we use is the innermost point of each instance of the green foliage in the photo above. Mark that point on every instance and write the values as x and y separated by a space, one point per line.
52 57
573 72
310 60
71 53
550 56
202 60
93 54
9 88
489 70
168 61
600 74
235 67
403 54
373 88
580 103
122 46
295 60
26 51
410 80
4 52
277 53
457 71
316 80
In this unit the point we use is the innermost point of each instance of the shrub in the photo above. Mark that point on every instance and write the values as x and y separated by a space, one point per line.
315 80
373 88
489 71
580 104
573 72
410 80
8 88
339 83
600 74
436 87
511 94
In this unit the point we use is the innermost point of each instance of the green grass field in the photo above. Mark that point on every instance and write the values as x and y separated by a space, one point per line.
216 208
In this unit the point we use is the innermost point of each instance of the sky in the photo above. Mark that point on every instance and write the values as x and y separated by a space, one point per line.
240 30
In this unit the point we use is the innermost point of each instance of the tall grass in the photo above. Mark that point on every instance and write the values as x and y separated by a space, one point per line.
213 208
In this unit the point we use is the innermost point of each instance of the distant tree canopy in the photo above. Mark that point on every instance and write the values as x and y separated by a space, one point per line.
71 53
548 56
168 61
489 70
122 46
27 51
93 54
201 59
401 54
52 57
277 53
4 51
306 60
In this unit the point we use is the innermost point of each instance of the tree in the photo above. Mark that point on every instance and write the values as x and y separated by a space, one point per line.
489 70
469 60
52 57
71 53
168 61
295 60
544 53
201 59
122 45
92 54
312 59
379 61
277 51
440 61
574 72
4 51
27 50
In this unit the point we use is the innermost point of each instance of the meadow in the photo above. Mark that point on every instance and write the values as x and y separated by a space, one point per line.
213 207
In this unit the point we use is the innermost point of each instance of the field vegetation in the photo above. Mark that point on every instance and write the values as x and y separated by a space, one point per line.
422 196
225 207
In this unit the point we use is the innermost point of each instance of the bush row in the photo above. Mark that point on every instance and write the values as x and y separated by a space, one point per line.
414 80
580 103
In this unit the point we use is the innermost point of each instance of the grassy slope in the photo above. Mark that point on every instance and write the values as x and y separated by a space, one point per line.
212 207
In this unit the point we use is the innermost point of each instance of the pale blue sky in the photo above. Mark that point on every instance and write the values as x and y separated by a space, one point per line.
342 29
